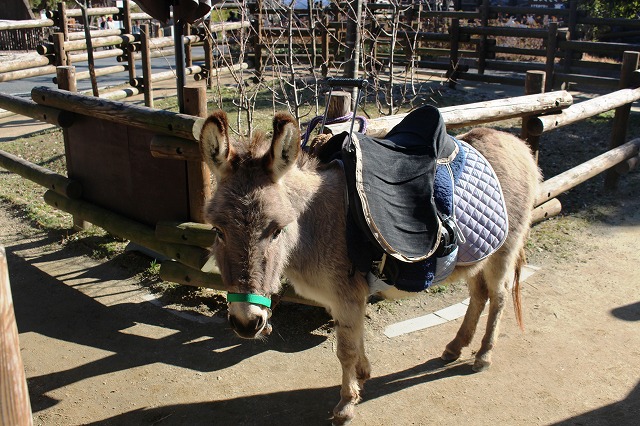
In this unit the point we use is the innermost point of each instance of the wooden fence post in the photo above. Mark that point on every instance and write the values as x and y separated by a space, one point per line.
208 54
339 105
325 45
572 26
66 76
552 46
256 10
147 86
482 46
58 50
630 62
15 408
128 28
63 25
453 71
198 180
534 83
187 49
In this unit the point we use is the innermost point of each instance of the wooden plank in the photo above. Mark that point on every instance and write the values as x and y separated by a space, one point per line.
175 148
116 170
15 407
561 79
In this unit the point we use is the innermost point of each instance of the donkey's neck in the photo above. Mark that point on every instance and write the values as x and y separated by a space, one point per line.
318 195
312 188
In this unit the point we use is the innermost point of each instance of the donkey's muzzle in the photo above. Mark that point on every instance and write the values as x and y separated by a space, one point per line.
250 328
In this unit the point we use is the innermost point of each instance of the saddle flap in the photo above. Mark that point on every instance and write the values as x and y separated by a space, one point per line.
391 183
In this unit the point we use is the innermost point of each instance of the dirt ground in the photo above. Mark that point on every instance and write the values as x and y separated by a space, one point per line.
98 349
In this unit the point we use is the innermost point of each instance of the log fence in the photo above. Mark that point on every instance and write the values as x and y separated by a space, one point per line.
171 138
164 214
146 215
463 45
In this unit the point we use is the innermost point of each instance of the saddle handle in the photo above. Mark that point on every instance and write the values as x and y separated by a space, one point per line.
333 82
360 83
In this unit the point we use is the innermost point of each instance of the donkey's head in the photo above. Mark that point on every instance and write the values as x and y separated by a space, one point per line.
252 215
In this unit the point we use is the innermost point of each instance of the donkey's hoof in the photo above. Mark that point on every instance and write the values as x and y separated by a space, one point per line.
481 365
449 355
340 422
343 414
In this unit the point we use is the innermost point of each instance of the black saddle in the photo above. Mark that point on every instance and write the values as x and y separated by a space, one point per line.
391 185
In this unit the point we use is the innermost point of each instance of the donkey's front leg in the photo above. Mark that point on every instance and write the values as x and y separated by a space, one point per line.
349 322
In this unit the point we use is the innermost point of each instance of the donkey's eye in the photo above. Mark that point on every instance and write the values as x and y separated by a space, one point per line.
276 233
218 233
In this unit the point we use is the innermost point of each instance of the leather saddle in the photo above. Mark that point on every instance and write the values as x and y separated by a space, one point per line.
390 185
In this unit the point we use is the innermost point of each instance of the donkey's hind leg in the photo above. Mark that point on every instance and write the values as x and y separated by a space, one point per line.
479 295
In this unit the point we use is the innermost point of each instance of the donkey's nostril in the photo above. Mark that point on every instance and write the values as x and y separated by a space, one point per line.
260 323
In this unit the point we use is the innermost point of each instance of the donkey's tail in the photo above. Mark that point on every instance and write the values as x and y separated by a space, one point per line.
517 300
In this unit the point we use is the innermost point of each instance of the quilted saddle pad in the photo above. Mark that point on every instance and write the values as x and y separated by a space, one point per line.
480 210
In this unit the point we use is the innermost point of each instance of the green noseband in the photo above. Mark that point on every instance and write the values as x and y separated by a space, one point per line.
256 299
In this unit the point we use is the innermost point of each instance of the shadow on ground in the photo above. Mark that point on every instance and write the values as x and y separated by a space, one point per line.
49 307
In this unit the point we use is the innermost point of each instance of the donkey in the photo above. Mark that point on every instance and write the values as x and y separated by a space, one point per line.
277 211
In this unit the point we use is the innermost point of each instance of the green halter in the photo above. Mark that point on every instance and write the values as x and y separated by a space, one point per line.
256 299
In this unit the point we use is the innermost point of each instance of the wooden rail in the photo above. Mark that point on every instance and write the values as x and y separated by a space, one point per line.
477 113
126 228
564 181
165 122
582 110
41 175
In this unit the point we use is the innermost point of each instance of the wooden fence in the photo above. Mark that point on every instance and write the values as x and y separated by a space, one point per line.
64 48
478 45
158 203
481 45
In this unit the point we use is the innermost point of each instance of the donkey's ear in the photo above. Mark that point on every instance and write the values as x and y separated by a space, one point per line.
215 145
285 145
